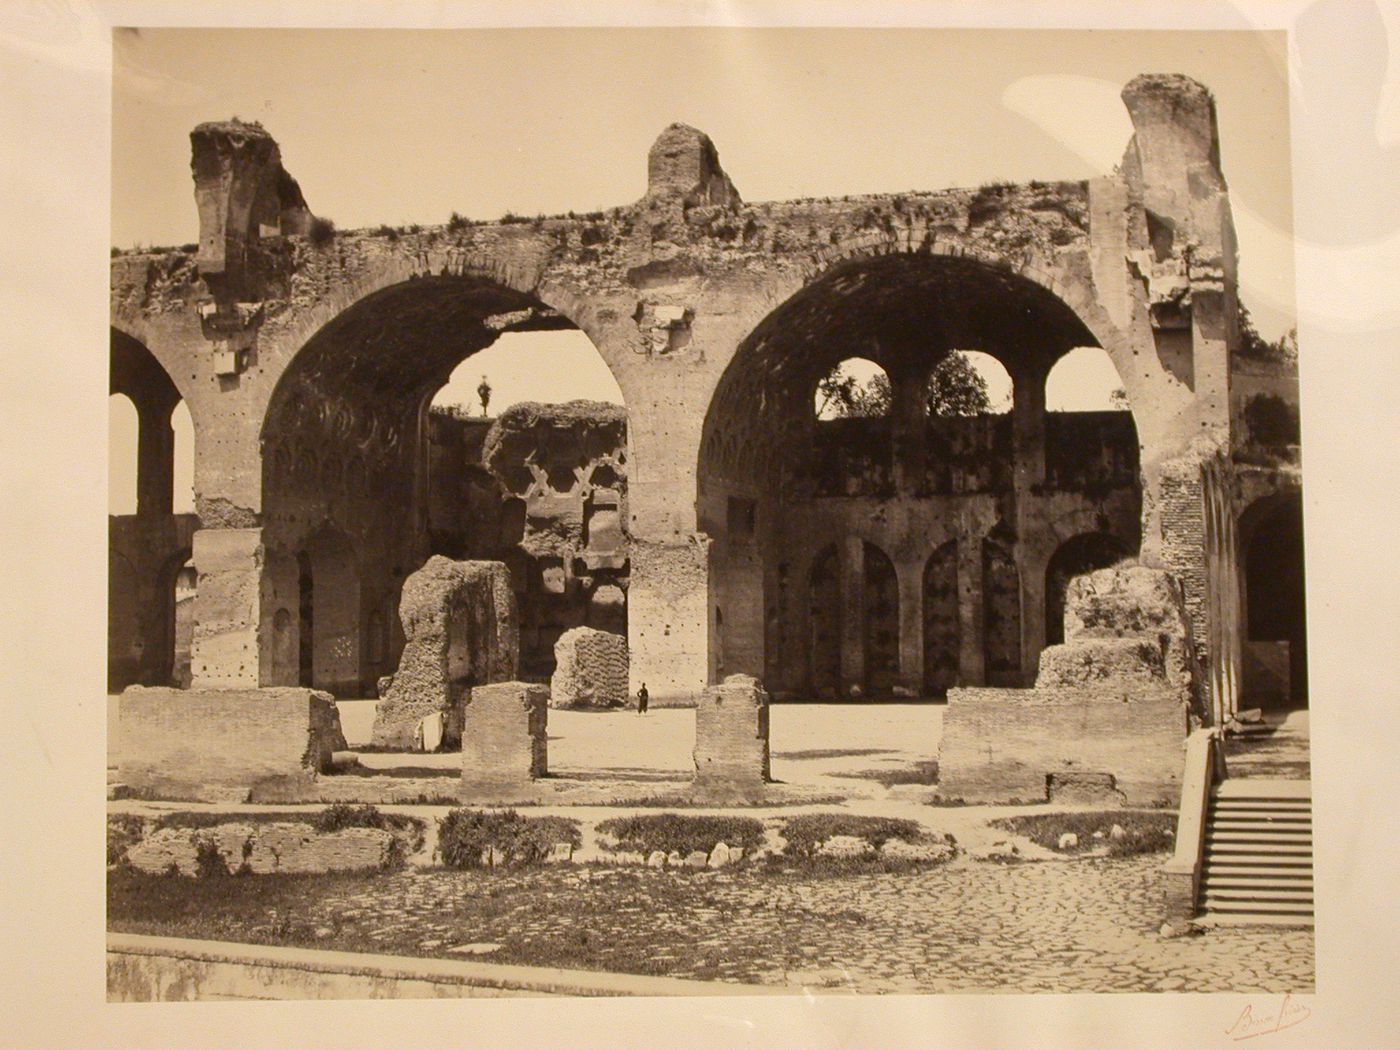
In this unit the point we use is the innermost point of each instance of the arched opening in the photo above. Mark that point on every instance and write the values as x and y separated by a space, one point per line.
150 528
942 628
969 383
857 388
182 460
881 601
965 346
1091 442
416 423
1275 609
1001 610
123 437
330 643
1074 557
1084 380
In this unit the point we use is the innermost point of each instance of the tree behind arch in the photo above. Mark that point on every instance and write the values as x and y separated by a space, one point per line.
955 388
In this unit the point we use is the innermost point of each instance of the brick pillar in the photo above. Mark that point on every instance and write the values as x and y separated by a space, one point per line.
972 658
908 422
504 742
852 565
155 458
226 652
731 737
911 625
1028 457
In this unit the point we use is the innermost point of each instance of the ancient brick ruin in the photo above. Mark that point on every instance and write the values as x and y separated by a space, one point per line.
715 522
459 623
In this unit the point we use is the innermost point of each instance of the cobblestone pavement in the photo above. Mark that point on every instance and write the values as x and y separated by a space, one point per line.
1080 926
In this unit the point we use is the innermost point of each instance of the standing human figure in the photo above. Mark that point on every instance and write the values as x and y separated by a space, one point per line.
642 697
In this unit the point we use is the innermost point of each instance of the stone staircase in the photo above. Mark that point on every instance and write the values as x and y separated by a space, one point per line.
1257 855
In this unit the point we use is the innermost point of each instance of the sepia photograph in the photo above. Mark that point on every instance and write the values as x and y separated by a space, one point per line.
908 579
808 517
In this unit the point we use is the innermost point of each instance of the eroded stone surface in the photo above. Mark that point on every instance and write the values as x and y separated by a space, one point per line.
590 669
460 623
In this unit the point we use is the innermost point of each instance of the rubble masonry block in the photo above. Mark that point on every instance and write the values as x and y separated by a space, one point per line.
590 669
459 619
219 745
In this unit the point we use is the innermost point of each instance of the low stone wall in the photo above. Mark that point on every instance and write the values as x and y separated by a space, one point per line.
1003 745
503 737
143 969
731 737
221 745
262 849
590 669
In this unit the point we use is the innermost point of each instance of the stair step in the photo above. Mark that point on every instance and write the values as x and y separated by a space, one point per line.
1229 898
1268 861
1258 919
1255 814
1259 809
1254 882
1257 788
1261 847
1276 907
1284 835
1256 871
1267 827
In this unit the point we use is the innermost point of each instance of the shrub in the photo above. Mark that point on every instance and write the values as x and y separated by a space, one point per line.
681 833
387 231
806 833
1146 832
456 222
124 830
322 232
464 834
344 815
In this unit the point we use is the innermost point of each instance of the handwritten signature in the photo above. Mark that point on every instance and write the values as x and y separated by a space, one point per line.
1253 1022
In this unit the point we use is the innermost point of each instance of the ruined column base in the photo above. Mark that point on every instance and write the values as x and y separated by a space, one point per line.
504 747
731 740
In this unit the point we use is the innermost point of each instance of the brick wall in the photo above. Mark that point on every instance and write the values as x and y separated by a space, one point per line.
218 745
1001 745
503 735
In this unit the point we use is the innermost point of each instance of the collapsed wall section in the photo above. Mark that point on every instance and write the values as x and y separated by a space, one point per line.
459 619
1111 704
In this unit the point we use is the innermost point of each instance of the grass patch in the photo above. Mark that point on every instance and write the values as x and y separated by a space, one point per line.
465 834
806 833
680 832
1145 831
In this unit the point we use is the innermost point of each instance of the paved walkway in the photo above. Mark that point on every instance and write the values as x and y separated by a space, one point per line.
1282 754
1066 926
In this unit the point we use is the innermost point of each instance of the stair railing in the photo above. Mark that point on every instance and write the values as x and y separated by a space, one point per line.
1181 876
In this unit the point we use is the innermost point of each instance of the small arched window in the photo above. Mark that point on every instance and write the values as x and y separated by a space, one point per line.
1084 380
968 383
857 387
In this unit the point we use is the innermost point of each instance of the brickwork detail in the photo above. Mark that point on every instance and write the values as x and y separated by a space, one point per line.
731 737
590 669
